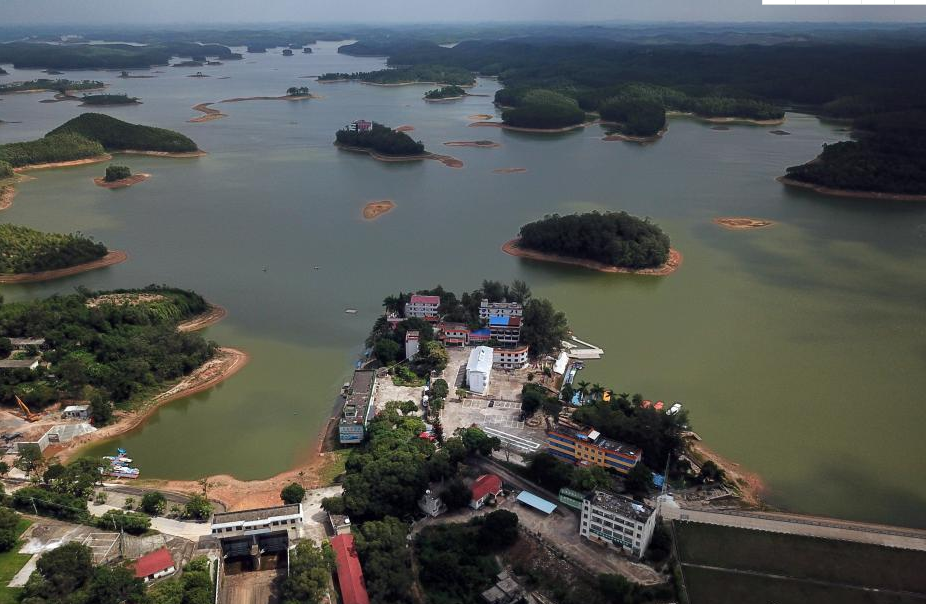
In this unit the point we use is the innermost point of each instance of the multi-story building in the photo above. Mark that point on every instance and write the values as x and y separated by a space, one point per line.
499 309
510 358
506 330
358 405
480 336
422 307
589 447
454 334
479 369
257 521
619 521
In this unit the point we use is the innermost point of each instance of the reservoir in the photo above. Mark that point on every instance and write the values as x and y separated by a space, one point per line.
799 349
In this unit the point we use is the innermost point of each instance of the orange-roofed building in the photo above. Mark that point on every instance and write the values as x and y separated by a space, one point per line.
350 574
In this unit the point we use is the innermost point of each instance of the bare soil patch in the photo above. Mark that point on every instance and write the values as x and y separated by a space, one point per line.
480 117
740 224
111 258
270 98
126 299
405 128
122 182
7 193
375 209
522 129
749 484
66 164
447 160
675 261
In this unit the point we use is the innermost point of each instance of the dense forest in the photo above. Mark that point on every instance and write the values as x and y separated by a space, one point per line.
108 99
34 55
444 92
117 135
6 170
23 250
114 173
888 157
381 139
612 238
113 349
437 74
47 84
59 147
637 116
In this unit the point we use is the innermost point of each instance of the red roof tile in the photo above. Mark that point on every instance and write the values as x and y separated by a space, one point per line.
418 299
350 574
152 563
485 484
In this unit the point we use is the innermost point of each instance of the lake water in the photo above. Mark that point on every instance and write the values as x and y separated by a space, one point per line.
799 350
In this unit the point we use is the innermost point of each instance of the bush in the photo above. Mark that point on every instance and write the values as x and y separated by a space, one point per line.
153 503
132 523
48 503
198 507
292 493
8 533
114 173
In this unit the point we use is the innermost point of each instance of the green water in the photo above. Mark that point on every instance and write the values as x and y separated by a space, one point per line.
799 349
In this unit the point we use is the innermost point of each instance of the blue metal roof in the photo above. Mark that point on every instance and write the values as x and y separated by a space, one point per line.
528 498
499 321
480 332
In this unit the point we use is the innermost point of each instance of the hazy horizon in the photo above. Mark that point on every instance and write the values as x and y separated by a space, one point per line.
275 12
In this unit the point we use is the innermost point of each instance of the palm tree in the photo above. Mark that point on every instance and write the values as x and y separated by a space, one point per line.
597 390
583 388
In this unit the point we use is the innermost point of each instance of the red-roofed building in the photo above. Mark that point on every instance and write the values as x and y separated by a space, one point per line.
155 565
350 574
454 334
423 307
487 485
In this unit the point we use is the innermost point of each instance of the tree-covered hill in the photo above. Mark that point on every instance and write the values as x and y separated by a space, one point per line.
66 146
538 108
23 250
439 74
116 135
114 347
381 139
613 238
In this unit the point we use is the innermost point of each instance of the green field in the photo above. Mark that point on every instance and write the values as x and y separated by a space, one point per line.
791 569
10 563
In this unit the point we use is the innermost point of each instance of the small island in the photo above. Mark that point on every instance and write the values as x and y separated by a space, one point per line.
189 64
445 93
287 52
538 110
119 177
379 141
306 51
115 135
298 92
636 119
743 224
47 85
101 100
30 255
613 242
375 209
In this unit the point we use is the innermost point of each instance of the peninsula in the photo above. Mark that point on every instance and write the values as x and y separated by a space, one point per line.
30 255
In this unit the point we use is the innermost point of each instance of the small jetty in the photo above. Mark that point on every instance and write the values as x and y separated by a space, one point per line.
118 465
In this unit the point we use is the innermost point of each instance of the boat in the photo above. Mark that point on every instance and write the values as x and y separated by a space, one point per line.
675 408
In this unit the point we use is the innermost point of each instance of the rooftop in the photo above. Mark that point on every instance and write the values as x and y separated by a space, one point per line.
358 395
504 321
76 408
17 363
593 436
19 342
513 305
480 359
418 299
619 504
528 498
154 562
484 485
350 573
257 514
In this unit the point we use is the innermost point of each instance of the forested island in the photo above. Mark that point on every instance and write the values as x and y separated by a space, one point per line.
445 93
61 86
537 108
23 250
37 55
109 99
380 139
106 347
614 239
64 147
116 135
422 74
118 177
888 159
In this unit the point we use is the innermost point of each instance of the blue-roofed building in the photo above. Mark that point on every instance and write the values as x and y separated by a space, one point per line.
506 330
538 503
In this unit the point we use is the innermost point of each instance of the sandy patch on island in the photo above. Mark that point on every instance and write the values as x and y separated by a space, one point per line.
111 258
375 209
210 114
405 128
65 164
7 193
122 182
212 316
671 265
741 224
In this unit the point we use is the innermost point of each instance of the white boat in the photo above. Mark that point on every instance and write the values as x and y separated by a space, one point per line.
674 409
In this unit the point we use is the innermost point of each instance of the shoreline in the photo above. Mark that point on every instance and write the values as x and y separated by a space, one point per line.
375 209
65 164
210 113
226 363
415 83
7 193
505 126
213 315
629 138
749 485
450 162
672 264
112 257
726 120
446 98
789 182
174 154
122 182
268 98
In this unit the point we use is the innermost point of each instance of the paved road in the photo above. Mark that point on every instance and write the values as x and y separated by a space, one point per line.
177 528
794 524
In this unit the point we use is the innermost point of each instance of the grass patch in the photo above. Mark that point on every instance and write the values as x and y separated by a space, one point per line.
10 563
333 467
795 556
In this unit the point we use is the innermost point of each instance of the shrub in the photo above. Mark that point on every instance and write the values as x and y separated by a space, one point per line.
153 503
292 493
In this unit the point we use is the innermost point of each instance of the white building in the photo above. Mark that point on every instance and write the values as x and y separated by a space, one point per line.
499 309
619 521
76 412
510 358
479 369
422 307
258 521
411 344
